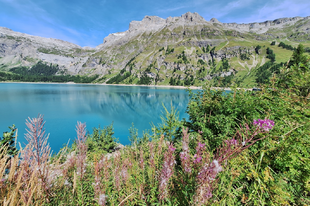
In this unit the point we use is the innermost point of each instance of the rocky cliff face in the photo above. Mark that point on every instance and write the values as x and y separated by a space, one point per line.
152 24
18 49
263 27
149 42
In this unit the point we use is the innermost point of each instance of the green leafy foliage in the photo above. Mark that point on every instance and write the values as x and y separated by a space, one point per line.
119 78
102 140
286 46
169 50
39 69
189 80
145 79
170 125
225 64
296 78
7 141
175 81
201 62
270 54
266 71
217 115
257 48
183 58
225 81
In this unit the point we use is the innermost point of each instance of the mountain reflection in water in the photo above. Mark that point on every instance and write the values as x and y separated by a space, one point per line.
63 105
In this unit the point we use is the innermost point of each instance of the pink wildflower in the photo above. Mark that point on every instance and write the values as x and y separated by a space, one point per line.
82 149
197 159
166 172
171 148
200 146
265 124
184 155
243 139
198 156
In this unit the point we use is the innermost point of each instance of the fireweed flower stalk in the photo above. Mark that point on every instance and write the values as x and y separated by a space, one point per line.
152 160
185 155
37 139
166 172
117 171
69 163
81 148
37 153
206 177
99 195
199 149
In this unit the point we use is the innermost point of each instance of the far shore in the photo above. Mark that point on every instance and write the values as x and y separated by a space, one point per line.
132 85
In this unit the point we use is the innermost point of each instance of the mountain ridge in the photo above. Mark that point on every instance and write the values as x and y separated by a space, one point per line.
145 49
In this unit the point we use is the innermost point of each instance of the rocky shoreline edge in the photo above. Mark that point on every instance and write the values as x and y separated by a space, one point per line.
134 85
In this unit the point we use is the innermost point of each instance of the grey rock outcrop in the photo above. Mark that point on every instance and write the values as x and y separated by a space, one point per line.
214 20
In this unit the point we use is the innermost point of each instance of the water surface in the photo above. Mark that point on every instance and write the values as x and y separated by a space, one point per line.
64 104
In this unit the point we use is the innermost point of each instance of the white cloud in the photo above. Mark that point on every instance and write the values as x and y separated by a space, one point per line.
231 7
280 9
171 9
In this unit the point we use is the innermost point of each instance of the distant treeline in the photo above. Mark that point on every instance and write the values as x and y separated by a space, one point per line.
6 76
42 72
119 77
286 46
39 69
290 47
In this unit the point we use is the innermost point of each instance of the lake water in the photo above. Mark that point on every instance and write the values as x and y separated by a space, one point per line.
64 104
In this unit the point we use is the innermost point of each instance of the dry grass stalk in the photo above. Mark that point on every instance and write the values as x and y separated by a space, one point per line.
14 163
3 160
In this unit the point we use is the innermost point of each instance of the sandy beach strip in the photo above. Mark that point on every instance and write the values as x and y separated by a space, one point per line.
131 85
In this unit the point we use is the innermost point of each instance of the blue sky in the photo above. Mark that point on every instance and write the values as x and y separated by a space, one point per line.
86 23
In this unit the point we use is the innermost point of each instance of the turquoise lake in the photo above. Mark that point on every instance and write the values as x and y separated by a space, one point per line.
64 104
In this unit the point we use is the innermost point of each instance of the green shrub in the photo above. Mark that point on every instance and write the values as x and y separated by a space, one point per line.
7 141
102 140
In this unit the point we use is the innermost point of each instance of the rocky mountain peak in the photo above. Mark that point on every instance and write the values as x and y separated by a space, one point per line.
147 23
193 17
153 19
5 29
214 20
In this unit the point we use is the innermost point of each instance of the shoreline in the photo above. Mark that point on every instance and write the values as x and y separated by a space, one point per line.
132 85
